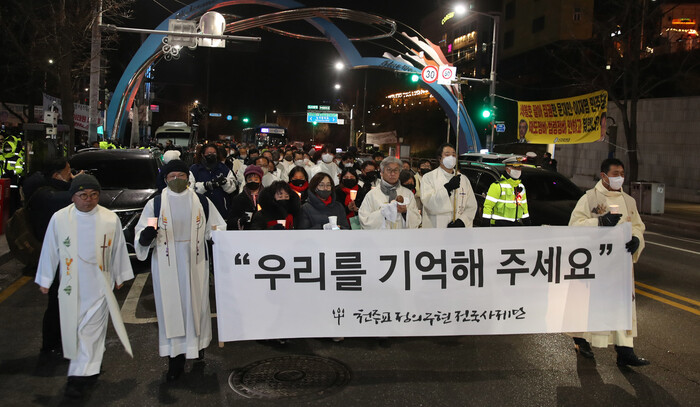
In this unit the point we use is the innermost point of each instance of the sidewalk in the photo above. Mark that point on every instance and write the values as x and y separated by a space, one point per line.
679 218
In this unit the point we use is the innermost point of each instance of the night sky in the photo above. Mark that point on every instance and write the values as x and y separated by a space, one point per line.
278 73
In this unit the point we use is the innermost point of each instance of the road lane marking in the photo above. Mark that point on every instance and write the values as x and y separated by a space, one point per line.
673 247
669 302
667 293
12 288
132 300
673 237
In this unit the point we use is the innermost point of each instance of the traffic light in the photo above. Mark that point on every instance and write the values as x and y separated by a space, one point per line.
246 120
486 113
415 78
315 123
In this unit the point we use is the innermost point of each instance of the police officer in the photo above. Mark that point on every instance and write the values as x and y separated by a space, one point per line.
506 201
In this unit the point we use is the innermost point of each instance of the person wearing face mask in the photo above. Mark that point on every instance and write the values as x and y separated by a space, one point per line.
179 266
321 204
391 205
408 180
299 183
348 183
212 178
327 165
279 208
245 204
506 201
287 163
347 161
608 205
447 196
424 167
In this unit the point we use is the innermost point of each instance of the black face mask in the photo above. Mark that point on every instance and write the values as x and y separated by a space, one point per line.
424 171
283 203
298 182
210 158
252 185
288 158
323 193
370 176
349 183
409 186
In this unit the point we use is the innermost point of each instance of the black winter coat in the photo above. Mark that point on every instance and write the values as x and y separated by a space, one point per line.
271 211
240 204
315 213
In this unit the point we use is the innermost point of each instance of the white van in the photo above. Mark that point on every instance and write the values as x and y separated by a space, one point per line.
178 132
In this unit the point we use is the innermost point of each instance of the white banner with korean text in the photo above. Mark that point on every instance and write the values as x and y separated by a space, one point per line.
422 282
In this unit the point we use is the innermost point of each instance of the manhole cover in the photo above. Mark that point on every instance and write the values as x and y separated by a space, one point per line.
298 377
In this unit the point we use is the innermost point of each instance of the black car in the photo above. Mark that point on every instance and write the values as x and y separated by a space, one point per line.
551 197
128 180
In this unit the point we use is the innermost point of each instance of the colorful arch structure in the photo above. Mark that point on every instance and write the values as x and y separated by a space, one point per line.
150 51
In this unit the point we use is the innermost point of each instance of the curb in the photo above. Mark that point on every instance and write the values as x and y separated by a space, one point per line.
673 226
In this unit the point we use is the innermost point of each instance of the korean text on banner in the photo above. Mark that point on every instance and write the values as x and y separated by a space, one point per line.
579 119
422 282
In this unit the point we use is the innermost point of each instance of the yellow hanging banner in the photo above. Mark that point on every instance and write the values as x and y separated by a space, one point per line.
580 119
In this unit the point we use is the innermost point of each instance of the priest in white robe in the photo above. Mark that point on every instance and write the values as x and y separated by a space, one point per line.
84 241
179 266
447 196
327 165
390 206
607 204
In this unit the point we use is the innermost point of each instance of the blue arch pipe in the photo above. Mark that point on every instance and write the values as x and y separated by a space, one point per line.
149 52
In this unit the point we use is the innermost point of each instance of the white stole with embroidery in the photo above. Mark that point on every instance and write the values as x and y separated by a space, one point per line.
68 291
167 266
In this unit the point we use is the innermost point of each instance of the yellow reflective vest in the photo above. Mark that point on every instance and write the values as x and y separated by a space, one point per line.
503 203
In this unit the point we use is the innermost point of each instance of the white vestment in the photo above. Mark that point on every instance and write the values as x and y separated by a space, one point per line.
376 212
441 207
593 204
180 271
90 249
331 169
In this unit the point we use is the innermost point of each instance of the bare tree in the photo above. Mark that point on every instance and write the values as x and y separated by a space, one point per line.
35 31
619 60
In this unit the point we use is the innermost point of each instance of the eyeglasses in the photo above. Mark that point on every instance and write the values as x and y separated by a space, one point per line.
84 196
325 186
392 170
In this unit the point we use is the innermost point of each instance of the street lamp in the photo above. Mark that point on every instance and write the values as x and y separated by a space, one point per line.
461 9
339 66
337 86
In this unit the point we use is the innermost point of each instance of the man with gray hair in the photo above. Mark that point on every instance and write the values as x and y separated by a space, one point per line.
390 206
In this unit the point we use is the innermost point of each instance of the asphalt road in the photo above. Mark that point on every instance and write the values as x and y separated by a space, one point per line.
507 370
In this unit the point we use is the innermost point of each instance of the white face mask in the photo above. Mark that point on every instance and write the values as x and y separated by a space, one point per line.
449 162
515 174
299 163
348 165
327 158
616 183
306 161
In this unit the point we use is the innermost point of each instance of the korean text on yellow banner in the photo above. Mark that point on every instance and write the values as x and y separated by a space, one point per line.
580 119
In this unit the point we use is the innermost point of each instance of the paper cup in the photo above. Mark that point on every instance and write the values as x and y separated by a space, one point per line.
333 220
282 222
249 214
353 195
614 208
153 222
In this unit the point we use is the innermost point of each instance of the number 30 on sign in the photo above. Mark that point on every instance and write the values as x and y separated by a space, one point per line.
429 74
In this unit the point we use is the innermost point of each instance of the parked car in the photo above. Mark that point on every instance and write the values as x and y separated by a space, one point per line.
551 197
128 180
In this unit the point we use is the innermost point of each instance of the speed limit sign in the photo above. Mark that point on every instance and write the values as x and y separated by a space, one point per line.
429 74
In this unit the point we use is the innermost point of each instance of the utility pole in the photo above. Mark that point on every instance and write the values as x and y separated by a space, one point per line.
95 66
